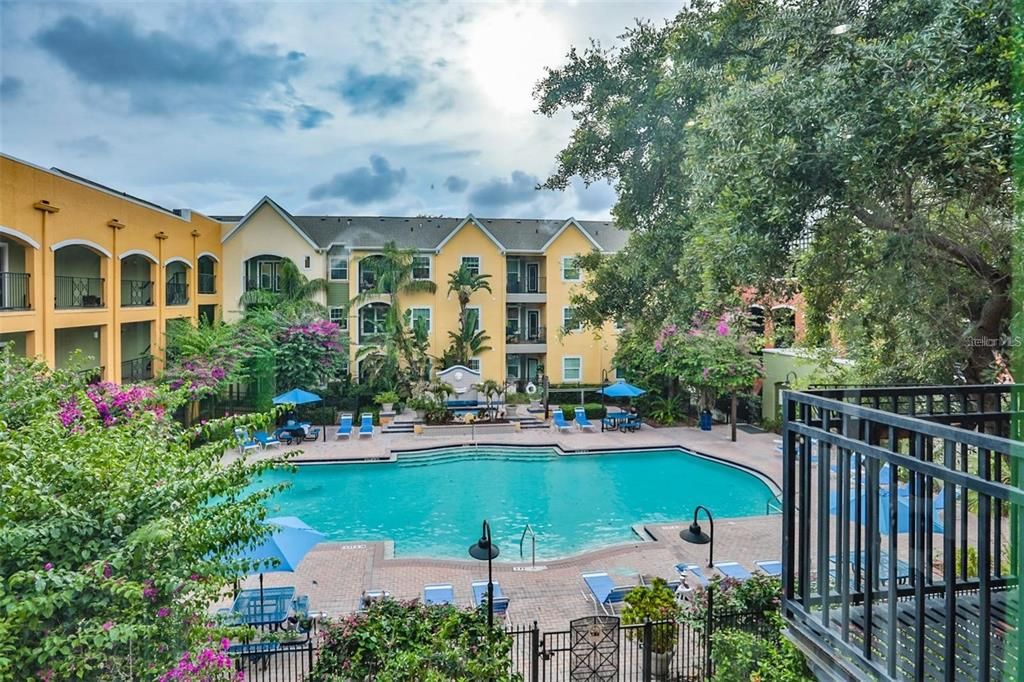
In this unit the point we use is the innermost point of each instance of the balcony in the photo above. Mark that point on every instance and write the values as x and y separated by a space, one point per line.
136 293
177 293
529 341
207 283
14 291
899 513
529 287
137 369
78 292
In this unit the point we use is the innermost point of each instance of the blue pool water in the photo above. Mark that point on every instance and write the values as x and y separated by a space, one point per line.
431 504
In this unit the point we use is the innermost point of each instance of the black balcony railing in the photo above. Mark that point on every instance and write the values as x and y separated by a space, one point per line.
517 284
78 292
14 288
207 283
901 524
538 335
137 369
177 293
136 292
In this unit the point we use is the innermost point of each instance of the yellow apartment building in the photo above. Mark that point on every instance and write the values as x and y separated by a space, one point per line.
85 267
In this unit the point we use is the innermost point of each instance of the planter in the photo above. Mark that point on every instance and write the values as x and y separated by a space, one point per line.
386 407
534 404
421 414
660 664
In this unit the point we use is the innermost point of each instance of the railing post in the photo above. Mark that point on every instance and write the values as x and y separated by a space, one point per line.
648 640
535 653
708 632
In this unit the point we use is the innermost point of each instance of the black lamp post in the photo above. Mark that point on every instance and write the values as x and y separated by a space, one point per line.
485 550
695 535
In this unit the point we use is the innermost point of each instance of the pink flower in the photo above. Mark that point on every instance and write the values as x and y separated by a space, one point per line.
47 566
163 612
723 328
108 625
108 570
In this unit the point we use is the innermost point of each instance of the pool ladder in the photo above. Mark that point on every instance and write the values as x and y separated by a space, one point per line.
533 538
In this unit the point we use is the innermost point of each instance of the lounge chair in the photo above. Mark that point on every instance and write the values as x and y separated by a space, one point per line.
366 425
772 568
902 568
438 594
480 597
695 571
560 423
731 569
344 427
373 596
245 442
605 594
582 421
265 440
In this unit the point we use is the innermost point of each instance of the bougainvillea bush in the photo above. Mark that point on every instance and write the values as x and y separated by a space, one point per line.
399 641
116 526
309 353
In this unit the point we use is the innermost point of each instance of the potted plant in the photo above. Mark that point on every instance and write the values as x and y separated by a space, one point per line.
386 400
656 603
420 406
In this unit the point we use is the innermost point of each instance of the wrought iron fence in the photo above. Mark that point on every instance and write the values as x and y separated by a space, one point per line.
177 293
14 291
274 662
901 519
207 283
137 369
136 292
78 292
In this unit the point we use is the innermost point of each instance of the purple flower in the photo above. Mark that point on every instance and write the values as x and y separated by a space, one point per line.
163 612
108 625
723 328
47 566
108 570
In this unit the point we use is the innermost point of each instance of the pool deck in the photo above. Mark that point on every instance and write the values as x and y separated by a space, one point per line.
336 574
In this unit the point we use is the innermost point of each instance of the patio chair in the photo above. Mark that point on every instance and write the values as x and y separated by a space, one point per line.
581 420
695 571
372 597
438 594
732 569
245 443
772 568
631 424
266 441
344 427
559 421
480 597
366 425
605 594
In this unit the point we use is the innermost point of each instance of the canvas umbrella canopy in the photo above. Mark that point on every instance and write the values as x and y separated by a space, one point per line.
621 389
884 502
297 396
284 548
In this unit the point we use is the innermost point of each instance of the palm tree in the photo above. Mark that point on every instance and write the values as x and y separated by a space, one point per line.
295 293
467 343
491 390
464 283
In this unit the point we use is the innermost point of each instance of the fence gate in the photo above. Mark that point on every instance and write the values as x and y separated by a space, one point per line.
594 649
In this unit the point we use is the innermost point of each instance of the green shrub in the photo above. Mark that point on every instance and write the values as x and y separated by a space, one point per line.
657 603
408 642
592 410
740 656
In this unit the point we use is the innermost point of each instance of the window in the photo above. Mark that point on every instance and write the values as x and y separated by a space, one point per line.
473 263
267 271
512 325
372 321
338 268
570 269
572 368
568 323
421 267
305 262
419 316
474 364
473 317
339 318
512 368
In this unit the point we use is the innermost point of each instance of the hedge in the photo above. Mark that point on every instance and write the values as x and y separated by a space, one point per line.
593 410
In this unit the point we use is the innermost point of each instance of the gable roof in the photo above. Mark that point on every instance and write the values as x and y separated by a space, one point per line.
267 201
423 233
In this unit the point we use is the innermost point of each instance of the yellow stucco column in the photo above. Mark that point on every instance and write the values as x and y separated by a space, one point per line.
193 278
114 342
46 345
156 340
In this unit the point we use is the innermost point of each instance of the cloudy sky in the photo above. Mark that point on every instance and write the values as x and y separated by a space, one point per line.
361 108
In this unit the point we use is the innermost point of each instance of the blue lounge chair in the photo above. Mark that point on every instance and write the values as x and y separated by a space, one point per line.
731 569
582 421
344 427
245 442
695 571
560 423
480 597
772 568
265 440
438 594
605 593
366 425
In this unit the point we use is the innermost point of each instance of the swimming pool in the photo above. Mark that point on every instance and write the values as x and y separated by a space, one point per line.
431 503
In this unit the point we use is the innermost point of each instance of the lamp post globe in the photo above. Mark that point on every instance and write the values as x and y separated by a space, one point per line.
696 536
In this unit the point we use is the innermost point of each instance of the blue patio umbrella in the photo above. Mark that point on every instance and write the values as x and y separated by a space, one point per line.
621 389
297 396
884 500
284 548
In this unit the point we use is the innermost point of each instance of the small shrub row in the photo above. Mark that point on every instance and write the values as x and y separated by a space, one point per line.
592 410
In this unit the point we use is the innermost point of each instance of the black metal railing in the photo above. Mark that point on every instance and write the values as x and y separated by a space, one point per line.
92 375
275 662
137 369
177 293
78 292
538 335
207 283
901 519
14 288
518 284
136 292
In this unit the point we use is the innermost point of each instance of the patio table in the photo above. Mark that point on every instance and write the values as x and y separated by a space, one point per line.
271 612
614 420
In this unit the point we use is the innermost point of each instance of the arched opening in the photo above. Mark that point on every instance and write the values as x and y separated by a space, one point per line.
755 320
15 273
177 282
207 274
263 272
372 321
783 326
369 270
136 280
78 276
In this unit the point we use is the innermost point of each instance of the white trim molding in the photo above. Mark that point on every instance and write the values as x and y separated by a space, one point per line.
479 261
211 255
277 209
578 379
561 269
430 316
470 219
563 228
178 259
80 242
20 236
139 252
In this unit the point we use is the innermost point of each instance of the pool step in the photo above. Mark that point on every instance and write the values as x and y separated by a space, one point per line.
411 459
410 427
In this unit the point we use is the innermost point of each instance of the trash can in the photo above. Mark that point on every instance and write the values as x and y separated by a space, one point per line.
705 420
